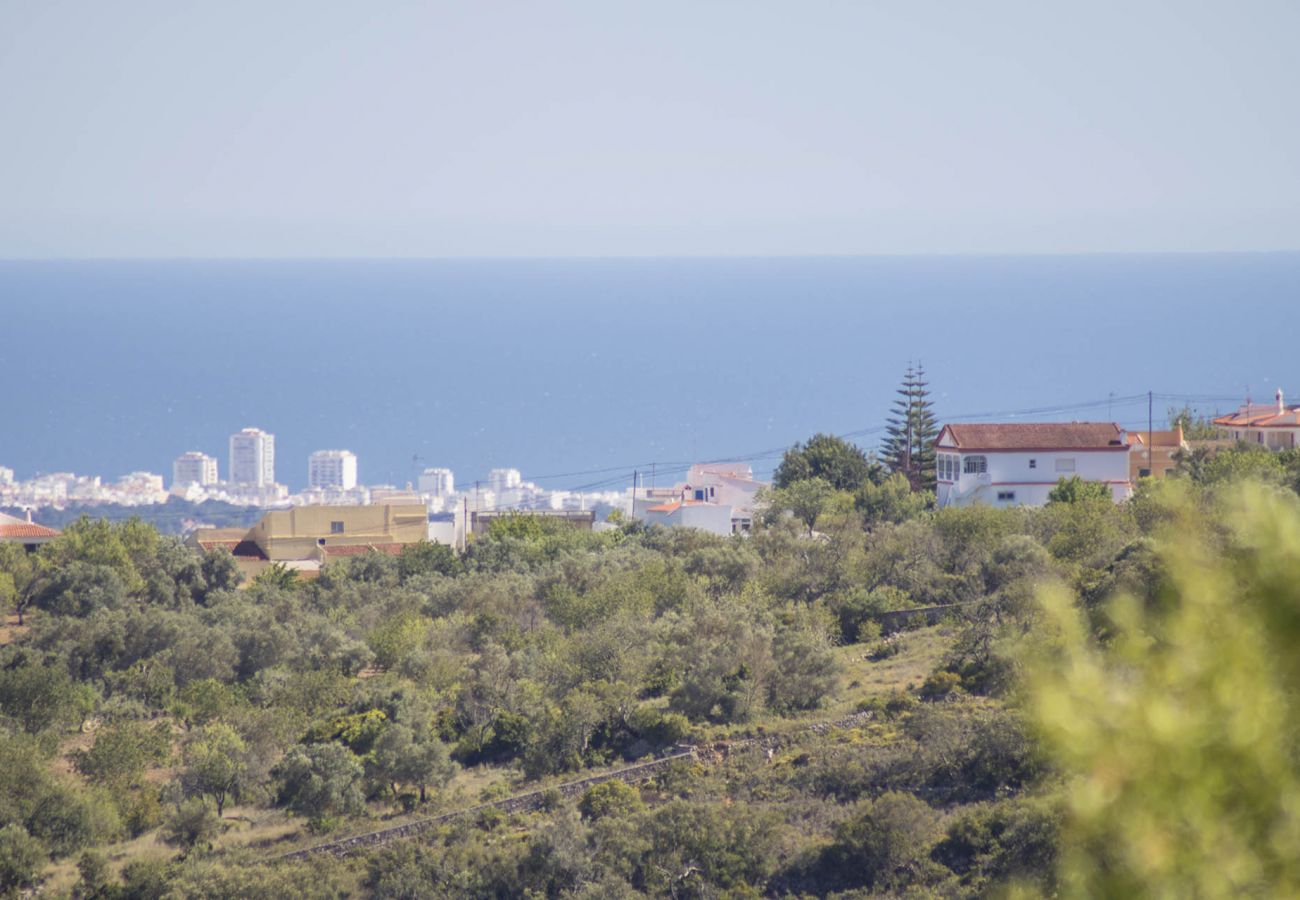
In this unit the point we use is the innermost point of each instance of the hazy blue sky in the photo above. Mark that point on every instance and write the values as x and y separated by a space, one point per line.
350 128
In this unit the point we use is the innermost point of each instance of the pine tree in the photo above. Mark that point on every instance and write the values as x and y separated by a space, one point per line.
911 431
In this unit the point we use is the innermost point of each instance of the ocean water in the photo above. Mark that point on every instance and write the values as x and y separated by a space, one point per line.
578 371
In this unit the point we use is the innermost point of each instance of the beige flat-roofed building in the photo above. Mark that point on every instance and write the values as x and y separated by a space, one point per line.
304 532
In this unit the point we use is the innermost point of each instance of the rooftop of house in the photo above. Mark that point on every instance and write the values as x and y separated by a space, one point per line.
1035 436
1159 439
212 538
1262 415
13 528
678 504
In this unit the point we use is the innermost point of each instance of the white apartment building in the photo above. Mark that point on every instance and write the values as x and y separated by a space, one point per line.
438 482
332 470
1020 464
501 480
252 457
194 468
140 487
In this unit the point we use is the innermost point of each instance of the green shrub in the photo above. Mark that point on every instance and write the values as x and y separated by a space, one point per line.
21 859
939 685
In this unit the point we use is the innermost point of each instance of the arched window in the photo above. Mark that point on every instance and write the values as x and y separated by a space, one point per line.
975 465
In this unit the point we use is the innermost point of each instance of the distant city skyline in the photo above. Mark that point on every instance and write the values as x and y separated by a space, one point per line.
253 129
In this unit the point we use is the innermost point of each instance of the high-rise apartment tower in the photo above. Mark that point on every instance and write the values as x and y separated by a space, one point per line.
332 470
194 468
252 457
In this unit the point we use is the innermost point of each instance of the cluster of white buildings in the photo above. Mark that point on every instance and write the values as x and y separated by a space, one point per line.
332 480
63 488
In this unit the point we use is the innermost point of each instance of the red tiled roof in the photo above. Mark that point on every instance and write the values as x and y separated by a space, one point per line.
1036 436
676 505
26 530
362 549
1262 416
220 542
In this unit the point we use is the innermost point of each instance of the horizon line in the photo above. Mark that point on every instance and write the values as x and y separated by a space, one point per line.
664 257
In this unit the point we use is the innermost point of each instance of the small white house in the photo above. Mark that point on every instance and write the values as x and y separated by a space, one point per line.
1019 464
718 498
711 517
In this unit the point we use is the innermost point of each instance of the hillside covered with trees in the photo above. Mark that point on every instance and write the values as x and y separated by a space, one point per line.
1105 704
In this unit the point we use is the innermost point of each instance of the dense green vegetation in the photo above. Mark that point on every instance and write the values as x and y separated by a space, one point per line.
1108 708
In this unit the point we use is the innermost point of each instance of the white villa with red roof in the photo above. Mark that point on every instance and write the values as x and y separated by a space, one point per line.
1019 464
1273 425
14 530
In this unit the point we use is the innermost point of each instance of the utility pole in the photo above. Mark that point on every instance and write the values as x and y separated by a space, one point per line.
1151 446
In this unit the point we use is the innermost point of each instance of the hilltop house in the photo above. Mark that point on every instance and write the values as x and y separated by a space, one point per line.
1275 426
1019 464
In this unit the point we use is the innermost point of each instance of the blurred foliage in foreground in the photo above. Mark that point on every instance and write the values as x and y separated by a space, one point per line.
1178 735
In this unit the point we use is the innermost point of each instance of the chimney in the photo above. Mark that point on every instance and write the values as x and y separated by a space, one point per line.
29 515
1281 407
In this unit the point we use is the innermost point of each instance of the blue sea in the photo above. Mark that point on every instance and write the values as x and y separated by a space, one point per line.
578 371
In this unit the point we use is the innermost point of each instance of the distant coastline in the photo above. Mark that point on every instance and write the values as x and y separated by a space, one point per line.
557 366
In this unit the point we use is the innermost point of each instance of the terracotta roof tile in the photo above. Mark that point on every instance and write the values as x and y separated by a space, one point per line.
214 544
1262 416
26 530
1036 436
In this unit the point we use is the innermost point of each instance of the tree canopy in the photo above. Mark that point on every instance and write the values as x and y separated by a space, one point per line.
911 431
842 465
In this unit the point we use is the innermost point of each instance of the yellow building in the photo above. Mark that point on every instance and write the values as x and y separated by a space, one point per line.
310 532
304 537
1158 460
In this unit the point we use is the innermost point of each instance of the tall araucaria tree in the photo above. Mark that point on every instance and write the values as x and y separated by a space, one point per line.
911 431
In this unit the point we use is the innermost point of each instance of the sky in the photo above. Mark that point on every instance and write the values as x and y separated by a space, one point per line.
151 128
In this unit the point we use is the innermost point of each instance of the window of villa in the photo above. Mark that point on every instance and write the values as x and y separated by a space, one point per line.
336 527
975 465
1033 464
1006 496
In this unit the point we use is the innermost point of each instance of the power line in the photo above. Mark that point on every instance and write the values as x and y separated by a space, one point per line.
624 472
